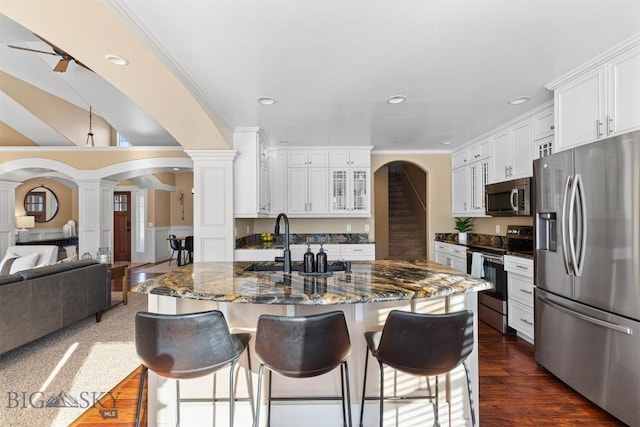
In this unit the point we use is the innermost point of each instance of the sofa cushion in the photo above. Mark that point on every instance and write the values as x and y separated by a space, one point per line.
13 263
47 254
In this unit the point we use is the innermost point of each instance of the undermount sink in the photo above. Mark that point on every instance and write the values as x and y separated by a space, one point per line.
295 266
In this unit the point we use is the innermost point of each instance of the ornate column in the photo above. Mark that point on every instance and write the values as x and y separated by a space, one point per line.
213 220
95 215
7 215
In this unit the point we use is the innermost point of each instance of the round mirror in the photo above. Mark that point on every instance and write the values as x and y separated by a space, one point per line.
41 203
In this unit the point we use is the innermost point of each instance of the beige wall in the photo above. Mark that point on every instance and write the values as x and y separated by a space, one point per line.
67 201
161 211
183 182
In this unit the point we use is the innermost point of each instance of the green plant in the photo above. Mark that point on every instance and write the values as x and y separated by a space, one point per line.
464 225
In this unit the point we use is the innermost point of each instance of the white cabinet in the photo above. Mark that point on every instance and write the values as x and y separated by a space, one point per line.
350 158
278 180
256 254
543 124
337 252
520 294
350 182
350 191
600 99
454 256
307 191
469 179
329 182
307 182
512 151
251 174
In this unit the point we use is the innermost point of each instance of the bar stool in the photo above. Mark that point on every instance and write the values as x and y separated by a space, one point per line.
422 345
188 247
192 345
303 347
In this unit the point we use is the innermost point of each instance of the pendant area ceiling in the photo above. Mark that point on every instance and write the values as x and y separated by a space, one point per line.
331 65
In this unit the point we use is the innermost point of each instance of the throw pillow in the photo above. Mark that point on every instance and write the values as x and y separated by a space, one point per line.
18 263
6 262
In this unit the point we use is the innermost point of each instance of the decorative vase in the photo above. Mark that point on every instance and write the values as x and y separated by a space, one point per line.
462 237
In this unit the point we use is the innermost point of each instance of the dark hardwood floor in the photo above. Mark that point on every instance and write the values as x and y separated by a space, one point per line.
514 390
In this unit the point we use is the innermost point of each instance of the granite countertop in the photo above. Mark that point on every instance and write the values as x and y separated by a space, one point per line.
368 281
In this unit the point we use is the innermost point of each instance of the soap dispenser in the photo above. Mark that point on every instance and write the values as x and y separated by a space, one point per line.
309 260
321 260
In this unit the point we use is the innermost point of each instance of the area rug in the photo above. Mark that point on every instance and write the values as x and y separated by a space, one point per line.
52 381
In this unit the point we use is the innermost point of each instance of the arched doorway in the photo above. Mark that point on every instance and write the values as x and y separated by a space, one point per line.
400 211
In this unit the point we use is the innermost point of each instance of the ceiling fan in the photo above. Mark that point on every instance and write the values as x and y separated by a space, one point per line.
65 58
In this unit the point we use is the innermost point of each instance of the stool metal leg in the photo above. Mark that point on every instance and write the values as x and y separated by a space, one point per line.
345 381
364 385
436 422
269 400
256 419
473 412
381 393
143 377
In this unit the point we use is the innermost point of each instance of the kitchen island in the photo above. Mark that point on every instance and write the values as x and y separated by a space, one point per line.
366 294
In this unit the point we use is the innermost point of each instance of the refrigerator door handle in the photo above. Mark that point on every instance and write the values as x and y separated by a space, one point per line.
603 323
578 258
563 229
571 226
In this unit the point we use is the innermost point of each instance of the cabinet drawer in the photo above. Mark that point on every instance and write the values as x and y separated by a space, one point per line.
358 252
520 289
519 265
521 318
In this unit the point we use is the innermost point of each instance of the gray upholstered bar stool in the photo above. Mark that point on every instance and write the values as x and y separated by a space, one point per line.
423 345
192 345
303 347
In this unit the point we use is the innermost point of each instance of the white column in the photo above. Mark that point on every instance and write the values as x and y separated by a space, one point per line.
95 215
213 220
7 215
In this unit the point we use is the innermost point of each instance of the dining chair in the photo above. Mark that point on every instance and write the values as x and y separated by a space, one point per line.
176 246
188 248
186 346
422 345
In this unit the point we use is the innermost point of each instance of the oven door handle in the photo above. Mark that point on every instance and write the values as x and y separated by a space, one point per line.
492 258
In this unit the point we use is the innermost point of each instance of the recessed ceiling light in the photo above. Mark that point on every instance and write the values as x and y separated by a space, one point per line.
446 142
115 59
396 99
176 169
265 100
518 100
284 142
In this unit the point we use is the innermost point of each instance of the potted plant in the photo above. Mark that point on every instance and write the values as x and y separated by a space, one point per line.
463 225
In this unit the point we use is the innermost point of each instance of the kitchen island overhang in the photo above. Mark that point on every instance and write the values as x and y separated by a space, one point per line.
365 294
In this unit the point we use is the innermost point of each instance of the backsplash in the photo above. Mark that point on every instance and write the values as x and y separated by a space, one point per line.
302 238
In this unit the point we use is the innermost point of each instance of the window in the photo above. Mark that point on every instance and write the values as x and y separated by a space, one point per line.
122 141
140 221
120 203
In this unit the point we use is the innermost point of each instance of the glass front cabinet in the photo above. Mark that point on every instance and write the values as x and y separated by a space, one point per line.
350 191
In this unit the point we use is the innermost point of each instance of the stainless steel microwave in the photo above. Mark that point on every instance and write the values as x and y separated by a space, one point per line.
508 198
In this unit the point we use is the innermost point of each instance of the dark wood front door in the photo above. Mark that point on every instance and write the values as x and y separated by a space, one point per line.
122 226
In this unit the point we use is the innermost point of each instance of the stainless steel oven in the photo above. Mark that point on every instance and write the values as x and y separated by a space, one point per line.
492 304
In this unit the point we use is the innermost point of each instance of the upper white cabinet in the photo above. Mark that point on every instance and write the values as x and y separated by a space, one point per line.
543 124
471 170
512 150
308 182
333 182
251 174
600 99
350 182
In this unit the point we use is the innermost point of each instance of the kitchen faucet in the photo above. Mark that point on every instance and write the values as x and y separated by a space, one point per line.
286 253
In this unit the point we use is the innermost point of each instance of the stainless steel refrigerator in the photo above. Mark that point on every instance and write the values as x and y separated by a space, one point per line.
587 271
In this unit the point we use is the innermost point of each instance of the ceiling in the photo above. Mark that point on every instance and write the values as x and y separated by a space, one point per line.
331 65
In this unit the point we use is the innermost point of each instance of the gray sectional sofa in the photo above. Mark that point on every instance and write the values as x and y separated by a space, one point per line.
36 302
